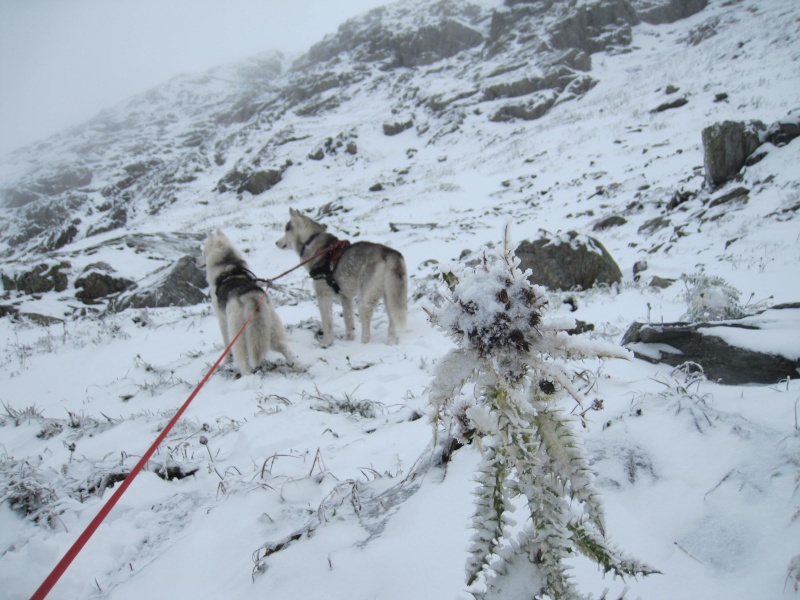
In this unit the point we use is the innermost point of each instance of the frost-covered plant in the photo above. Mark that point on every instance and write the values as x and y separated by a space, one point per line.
793 573
531 455
710 298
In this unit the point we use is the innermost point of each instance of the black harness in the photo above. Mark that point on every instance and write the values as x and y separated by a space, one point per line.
238 280
325 267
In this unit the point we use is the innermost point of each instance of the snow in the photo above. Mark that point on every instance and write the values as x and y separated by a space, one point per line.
697 479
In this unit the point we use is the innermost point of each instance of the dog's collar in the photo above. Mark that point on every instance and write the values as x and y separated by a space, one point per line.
307 242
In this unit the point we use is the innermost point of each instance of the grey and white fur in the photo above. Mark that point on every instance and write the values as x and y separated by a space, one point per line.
364 271
235 294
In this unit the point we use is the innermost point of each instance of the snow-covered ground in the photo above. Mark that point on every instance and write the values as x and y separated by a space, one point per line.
698 480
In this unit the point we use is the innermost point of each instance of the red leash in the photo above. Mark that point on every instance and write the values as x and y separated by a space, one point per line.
65 562
341 244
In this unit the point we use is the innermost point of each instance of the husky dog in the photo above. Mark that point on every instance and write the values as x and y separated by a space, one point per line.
234 296
365 271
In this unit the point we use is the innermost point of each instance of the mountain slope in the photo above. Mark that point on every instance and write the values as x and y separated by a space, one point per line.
698 479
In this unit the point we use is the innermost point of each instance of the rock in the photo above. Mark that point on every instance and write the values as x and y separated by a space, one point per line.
115 219
784 131
531 110
726 147
256 182
391 129
657 12
638 267
651 226
740 194
261 181
660 282
678 198
46 277
609 222
97 282
568 261
181 284
733 352
670 105
596 26
407 48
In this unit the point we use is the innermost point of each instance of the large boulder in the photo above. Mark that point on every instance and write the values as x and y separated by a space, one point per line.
568 261
760 349
180 284
726 147
97 281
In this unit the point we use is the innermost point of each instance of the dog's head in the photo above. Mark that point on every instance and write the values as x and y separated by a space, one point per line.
298 230
216 244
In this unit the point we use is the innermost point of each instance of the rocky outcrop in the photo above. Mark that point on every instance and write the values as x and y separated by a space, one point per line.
609 222
726 147
180 284
784 130
45 277
596 26
729 351
657 12
731 145
568 261
371 40
255 182
62 180
97 282
391 129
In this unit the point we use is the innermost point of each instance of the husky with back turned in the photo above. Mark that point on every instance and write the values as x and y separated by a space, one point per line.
235 294
364 271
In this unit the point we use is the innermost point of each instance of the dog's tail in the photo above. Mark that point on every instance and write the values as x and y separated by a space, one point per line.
397 290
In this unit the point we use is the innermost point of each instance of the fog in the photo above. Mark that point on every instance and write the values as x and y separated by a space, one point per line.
62 61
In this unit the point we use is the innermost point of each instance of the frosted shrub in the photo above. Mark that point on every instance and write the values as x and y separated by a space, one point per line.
531 455
710 298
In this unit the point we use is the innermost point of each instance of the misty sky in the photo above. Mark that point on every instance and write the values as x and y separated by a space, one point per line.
62 61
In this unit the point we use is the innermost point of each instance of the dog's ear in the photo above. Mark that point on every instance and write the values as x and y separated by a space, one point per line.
293 212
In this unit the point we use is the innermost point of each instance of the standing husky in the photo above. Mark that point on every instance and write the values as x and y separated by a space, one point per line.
364 271
234 296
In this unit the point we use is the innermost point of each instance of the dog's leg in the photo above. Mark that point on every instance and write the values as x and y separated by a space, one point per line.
349 318
223 328
258 342
291 359
365 310
393 339
236 319
325 303
395 297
